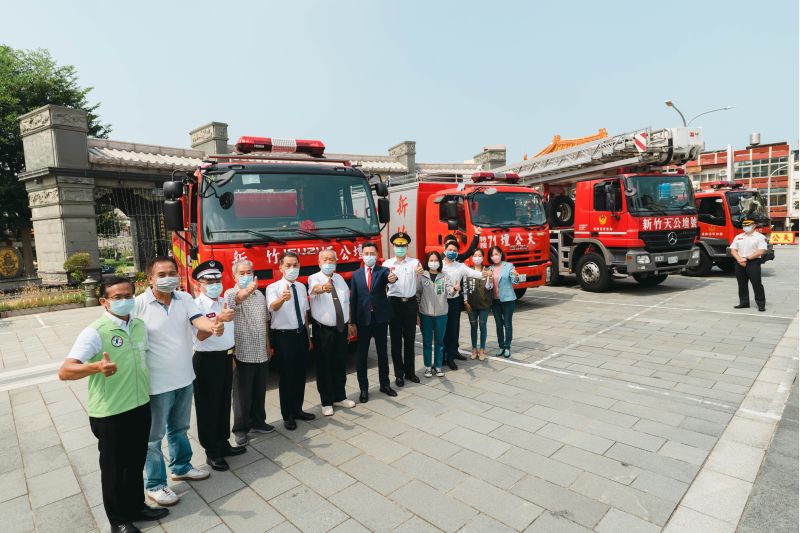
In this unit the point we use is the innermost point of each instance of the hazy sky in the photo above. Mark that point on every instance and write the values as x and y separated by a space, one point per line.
452 75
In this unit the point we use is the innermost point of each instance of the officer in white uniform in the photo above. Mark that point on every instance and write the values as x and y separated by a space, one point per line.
747 249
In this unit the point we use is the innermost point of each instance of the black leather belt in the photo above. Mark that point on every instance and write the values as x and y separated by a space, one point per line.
403 298
297 331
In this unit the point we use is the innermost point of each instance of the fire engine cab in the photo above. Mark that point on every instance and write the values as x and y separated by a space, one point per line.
271 196
721 207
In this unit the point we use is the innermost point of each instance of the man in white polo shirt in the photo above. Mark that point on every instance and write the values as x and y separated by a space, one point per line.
747 249
168 315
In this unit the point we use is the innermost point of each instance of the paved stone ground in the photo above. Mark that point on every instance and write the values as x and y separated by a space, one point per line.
601 420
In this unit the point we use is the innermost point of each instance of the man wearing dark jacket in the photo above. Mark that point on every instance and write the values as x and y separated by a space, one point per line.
370 312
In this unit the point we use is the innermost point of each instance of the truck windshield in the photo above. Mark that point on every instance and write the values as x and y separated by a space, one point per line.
661 195
289 206
507 209
749 204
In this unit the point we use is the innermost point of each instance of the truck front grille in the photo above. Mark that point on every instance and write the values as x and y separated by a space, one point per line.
659 241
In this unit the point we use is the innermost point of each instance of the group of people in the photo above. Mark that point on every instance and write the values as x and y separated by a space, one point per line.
147 356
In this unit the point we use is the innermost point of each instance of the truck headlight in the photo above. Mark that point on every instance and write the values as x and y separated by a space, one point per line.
695 254
643 259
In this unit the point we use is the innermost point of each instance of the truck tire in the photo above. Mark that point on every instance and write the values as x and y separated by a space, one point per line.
555 278
726 265
560 212
649 280
593 274
702 268
520 293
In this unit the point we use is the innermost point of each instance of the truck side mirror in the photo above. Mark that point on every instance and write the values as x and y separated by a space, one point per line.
381 189
383 210
452 224
173 190
450 211
173 215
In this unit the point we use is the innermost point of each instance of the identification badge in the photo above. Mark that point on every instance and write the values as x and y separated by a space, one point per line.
116 341
439 288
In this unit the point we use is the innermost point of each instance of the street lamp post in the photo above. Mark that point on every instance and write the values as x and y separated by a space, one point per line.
670 103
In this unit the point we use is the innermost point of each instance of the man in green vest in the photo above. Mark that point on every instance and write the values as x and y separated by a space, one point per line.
111 351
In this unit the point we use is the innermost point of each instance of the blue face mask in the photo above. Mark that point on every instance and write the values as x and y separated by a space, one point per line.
122 307
370 260
400 251
214 290
451 255
245 280
328 268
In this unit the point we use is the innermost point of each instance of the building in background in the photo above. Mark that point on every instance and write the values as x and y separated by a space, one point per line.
769 168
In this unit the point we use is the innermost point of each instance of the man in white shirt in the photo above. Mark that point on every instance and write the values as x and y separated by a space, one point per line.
456 271
403 299
747 249
168 315
213 368
287 300
330 314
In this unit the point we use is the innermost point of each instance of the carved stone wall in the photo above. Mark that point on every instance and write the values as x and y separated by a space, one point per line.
211 138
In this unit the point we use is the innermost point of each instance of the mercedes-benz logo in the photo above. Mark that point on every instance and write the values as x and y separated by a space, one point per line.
672 238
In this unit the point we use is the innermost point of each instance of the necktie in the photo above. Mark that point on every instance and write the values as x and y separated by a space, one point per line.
337 306
297 307
369 279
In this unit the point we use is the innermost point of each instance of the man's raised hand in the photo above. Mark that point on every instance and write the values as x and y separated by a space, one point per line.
106 366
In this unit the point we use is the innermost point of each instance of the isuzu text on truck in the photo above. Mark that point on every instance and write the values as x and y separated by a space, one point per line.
627 218
721 209
255 207
430 207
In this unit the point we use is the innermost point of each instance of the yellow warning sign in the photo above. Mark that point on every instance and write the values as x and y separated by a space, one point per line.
782 237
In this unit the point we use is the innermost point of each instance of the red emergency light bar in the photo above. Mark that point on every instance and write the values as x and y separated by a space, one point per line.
245 145
511 177
729 184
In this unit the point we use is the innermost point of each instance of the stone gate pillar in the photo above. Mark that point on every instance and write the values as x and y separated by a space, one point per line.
60 197
491 157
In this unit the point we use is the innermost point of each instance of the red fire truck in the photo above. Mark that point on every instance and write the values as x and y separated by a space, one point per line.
613 212
721 209
250 206
429 207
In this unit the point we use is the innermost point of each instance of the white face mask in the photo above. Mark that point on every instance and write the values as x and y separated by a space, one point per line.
477 260
749 229
291 274
434 265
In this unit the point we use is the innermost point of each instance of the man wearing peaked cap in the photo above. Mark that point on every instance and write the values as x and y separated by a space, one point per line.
213 368
403 299
747 249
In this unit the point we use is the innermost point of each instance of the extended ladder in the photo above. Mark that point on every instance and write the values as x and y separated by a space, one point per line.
638 148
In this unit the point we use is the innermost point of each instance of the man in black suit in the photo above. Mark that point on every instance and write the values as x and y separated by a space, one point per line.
370 310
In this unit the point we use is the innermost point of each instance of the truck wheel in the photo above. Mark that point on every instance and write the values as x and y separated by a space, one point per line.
649 280
726 265
555 278
520 293
593 274
560 212
702 268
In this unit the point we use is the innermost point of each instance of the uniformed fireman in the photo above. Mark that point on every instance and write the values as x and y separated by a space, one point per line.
747 249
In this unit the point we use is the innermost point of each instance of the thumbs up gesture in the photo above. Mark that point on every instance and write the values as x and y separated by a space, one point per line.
217 326
226 315
327 287
253 286
287 294
106 366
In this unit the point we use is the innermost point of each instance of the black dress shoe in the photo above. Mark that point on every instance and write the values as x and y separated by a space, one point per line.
762 308
388 391
452 365
399 381
741 306
219 463
125 528
460 357
413 378
290 424
233 450
302 415
363 397
151 513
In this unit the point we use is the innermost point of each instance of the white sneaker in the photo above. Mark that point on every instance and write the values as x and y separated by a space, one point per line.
163 496
347 402
428 372
193 474
327 410
439 372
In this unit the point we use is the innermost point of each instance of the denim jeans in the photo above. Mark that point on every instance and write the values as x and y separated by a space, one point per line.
433 328
478 317
171 413
503 312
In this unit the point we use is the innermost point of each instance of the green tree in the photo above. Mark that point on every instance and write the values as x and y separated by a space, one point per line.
30 79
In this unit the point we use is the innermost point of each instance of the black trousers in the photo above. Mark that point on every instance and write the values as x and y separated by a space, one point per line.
454 308
212 399
122 443
403 328
752 273
249 395
366 332
291 347
330 354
